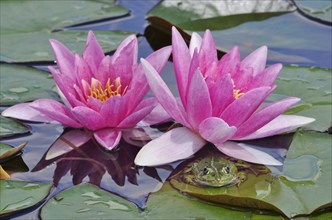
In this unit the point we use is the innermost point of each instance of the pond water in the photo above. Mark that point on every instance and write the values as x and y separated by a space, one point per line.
116 172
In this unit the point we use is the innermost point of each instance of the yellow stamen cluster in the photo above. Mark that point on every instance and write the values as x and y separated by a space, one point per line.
237 93
104 93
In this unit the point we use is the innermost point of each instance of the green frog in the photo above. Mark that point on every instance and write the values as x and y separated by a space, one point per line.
214 173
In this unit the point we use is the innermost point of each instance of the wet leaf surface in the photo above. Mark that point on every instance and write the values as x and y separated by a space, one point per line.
86 201
292 191
317 10
18 195
10 127
21 84
313 86
25 38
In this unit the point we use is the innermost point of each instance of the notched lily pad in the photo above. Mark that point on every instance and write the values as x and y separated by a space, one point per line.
18 195
317 10
292 191
10 127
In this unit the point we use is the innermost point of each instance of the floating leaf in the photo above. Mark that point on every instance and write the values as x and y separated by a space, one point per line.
10 127
307 44
25 38
313 86
180 11
317 10
17 196
86 201
6 151
308 191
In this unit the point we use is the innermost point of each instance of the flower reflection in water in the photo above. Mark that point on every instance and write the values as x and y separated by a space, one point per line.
113 171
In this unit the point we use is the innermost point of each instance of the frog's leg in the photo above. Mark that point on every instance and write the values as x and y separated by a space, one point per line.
241 177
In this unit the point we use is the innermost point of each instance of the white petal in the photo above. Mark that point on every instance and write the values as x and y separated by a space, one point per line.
281 124
176 144
245 152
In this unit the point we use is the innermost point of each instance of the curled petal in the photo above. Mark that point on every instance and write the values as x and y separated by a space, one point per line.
24 111
279 125
245 152
108 137
216 130
56 111
176 144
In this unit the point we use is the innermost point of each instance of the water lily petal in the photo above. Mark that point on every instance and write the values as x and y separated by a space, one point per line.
256 60
176 144
266 77
195 43
113 111
264 116
181 61
221 93
65 59
108 137
93 53
105 70
125 58
56 111
245 152
158 115
230 62
162 93
279 125
67 142
89 118
82 70
208 52
139 85
242 108
23 111
142 110
216 130
198 100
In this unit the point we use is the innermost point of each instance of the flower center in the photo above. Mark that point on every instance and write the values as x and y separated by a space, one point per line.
237 93
103 93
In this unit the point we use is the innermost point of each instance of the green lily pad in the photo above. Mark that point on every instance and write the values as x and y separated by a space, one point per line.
288 197
25 38
10 127
188 16
17 196
21 84
317 10
313 86
86 201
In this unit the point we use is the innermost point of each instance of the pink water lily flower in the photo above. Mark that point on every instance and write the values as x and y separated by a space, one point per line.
102 94
220 102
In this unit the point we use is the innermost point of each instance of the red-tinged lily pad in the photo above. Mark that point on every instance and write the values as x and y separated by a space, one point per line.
7 151
10 127
298 189
25 38
17 196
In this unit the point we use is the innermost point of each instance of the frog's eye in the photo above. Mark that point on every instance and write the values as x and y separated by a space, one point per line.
227 169
205 171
